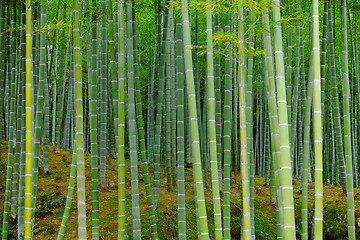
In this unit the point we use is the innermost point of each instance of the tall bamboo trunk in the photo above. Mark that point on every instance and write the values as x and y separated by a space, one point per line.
79 124
29 101
245 186
195 140
347 126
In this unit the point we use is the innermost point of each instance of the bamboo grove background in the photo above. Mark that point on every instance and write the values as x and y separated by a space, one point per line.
227 87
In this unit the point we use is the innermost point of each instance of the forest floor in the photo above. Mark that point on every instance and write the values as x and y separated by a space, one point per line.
53 186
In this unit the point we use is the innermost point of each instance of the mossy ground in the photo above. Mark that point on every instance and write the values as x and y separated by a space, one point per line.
53 189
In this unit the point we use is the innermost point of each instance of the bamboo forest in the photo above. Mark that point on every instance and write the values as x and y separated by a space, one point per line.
179 119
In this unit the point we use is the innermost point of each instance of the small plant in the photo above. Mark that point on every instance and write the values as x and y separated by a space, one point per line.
48 202
12 227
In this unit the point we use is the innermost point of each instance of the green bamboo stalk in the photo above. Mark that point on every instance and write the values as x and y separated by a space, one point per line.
317 119
110 139
199 185
204 126
132 124
302 93
246 230
306 162
103 100
295 94
206 156
180 143
12 129
39 116
60 84
212 125
227 131
353 106
15 180
35 54
259 134
173 103
2 71
46 127
54 92
29 101
79 125
274 124
167 108
7 82
121 127
87 87
335 104
218 108
259 162
150 111
43 48
323 61
269 169
159 108
249 117
141 132
235 117
347 126
354 113
63 92
288 75
333 177
286 173
113 79
155 73
21 198
69 195
93 118
357 63
67 98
